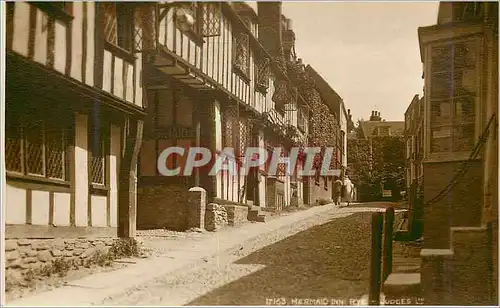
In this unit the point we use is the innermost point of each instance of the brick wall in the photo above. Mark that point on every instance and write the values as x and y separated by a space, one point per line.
162 206
461 207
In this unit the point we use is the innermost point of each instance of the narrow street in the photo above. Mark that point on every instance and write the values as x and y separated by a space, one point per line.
327 263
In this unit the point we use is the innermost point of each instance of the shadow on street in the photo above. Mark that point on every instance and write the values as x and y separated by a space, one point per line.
329 261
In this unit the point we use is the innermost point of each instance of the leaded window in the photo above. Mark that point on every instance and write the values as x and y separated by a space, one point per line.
98 149
36 147
241 53
302 119
118 24
453 94
244 136
211 19
229 118
280 95
145 32
262 72
207 19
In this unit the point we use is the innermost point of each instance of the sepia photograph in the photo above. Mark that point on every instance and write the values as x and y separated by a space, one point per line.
249 153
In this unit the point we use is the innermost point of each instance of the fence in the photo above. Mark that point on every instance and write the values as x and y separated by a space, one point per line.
381 258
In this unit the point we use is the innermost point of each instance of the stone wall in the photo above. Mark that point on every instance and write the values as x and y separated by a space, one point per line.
162 206
28 259
215 217
236 214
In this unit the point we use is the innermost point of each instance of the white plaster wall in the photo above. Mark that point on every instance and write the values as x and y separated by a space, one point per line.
76 41
40 203
106 77
62 206
40 55
114 167
89 77
15 205
262 183
81 170
218 145
343 127
99 211
262 191
21 28
118 77
60 47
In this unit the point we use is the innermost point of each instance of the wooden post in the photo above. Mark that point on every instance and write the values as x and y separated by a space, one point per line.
388 235
127 205
375 273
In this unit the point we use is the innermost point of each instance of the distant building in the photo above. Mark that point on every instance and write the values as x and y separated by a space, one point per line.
379 127
414 139
337 106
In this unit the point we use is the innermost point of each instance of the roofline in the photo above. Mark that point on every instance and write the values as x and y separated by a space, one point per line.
316 75
413 100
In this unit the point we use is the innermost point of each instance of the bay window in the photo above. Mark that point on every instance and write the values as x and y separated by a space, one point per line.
453 96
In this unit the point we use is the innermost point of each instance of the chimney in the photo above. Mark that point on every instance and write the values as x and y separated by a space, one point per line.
270 27
375 116
288 38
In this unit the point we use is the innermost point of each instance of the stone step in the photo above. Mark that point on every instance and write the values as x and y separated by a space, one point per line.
399 285
254 213
261 218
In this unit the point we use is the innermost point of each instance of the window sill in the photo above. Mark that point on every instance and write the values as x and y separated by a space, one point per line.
238 71
448 157
120 52
36 179
98 189
54 11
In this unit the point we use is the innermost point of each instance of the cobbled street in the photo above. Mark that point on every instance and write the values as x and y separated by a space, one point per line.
324 258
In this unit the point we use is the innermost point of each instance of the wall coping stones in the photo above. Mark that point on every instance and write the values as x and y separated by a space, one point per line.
201 189
429 253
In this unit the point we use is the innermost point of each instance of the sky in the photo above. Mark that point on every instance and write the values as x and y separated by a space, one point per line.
368 52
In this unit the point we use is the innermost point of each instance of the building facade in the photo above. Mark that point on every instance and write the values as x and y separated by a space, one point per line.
336 107
459 56
414 137
74 104
219 84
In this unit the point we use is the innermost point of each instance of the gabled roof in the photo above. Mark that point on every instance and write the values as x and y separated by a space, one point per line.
329 96
397 128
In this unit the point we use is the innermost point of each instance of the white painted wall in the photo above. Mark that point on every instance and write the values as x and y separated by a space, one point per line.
99 211
15 205
62 208
40 203
343 127
81 170
218 145
114 170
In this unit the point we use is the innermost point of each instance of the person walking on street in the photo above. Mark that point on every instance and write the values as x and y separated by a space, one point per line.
348 190
337 191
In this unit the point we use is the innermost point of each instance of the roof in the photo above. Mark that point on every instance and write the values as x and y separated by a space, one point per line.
397 127
415 100
331 98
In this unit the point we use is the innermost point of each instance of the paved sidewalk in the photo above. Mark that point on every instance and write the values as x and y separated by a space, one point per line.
94 289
